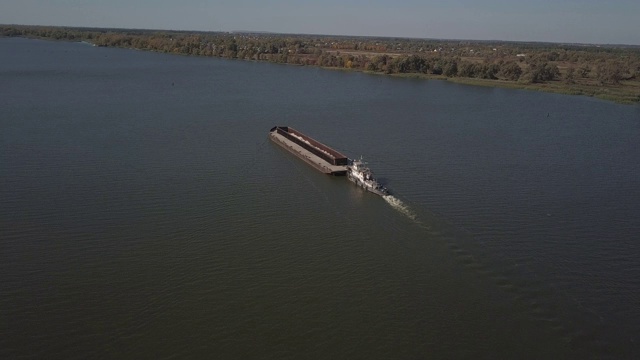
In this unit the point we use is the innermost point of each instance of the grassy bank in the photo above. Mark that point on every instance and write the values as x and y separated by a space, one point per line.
626 93
623 93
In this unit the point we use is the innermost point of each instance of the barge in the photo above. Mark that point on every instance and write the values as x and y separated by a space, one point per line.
313 152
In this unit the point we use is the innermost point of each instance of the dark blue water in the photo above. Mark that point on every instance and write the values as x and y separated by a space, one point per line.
144 214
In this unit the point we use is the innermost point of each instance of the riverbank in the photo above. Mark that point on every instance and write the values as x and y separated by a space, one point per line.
623 93
611 73
627 93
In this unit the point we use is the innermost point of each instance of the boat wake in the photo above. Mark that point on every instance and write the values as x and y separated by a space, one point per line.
400 206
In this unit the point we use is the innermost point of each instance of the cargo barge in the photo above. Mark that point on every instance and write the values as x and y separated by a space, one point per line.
313 152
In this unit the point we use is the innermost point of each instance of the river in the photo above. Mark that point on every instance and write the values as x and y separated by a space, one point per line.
145 214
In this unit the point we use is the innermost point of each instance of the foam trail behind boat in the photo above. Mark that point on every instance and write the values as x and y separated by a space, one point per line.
400 206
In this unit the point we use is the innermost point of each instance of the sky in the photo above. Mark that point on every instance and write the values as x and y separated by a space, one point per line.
573 21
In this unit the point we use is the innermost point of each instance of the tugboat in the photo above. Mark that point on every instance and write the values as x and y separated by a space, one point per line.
361 175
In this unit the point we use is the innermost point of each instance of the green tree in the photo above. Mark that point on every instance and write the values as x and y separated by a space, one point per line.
609 73
584 71
569 77
510 71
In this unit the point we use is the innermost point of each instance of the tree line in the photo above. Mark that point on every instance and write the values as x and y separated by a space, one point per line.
523 63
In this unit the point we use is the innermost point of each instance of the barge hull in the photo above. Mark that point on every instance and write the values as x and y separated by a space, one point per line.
309 157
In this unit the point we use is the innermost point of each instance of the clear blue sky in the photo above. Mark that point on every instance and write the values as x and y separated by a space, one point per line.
585 21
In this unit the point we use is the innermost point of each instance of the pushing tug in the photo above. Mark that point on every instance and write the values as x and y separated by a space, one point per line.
361 175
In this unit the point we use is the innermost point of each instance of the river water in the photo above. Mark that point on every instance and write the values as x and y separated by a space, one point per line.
145 214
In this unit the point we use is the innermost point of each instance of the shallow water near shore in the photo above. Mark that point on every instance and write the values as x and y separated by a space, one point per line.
145 213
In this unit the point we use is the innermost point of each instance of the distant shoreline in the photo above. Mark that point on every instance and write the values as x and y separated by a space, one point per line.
546 87
606 72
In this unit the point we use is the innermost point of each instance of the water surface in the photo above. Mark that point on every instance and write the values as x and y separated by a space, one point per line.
144 213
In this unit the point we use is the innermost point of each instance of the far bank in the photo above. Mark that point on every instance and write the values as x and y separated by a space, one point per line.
607 72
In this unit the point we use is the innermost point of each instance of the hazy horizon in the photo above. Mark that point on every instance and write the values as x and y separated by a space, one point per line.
572 21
